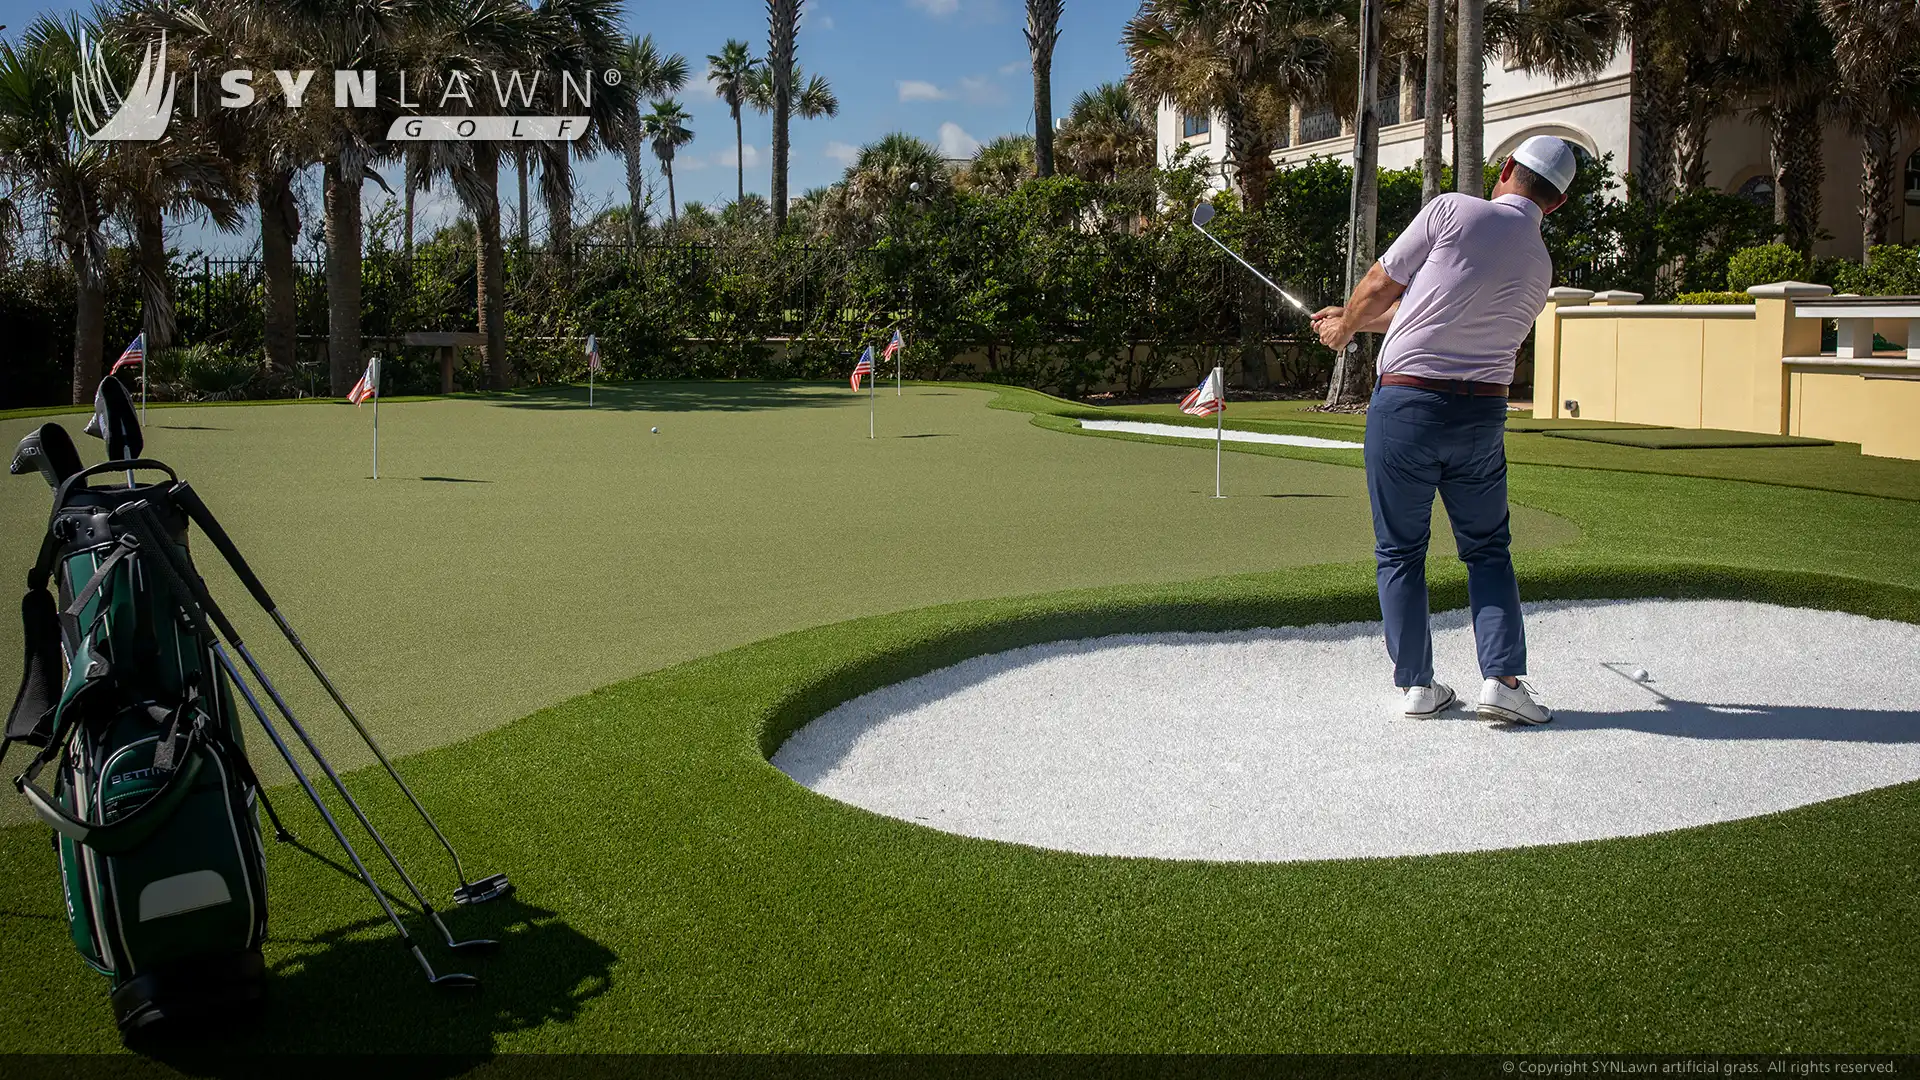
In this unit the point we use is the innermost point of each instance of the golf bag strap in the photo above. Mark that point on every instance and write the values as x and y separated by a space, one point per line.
129 465
42 571
30 719
70 618
131 830
189 500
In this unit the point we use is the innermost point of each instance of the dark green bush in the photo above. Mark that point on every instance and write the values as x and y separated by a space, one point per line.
1890 270
1763 265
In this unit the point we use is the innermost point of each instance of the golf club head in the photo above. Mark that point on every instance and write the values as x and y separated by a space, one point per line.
116 420
455 980
479 892
476 945
1202 213
48 449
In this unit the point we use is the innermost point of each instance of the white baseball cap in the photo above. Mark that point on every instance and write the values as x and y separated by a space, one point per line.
1551 158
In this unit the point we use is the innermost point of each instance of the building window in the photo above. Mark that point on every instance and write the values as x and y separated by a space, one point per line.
1759 191
1387 99
1321 123
1191 125
1913 179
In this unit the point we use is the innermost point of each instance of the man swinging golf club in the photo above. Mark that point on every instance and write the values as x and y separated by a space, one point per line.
1455 295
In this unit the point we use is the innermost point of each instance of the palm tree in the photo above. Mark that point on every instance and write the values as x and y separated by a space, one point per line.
579 36
783 28
730 71
1469 120
1788 53
1877 54
40 148
1246 60
892 170
1105 134
667 127
809 97
1000 165
652 75
1043 31
1436 101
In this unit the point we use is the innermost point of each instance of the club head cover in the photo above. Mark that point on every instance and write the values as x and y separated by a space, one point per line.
116 420
48 449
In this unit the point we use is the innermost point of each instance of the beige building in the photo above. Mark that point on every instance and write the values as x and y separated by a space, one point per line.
1594 115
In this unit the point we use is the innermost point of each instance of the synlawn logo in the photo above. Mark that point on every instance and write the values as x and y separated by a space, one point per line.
143 114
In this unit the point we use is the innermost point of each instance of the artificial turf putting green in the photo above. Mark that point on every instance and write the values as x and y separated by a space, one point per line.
522 549
677 893
1685 438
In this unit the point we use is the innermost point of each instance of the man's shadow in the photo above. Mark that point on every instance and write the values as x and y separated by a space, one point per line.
1701 720
354 990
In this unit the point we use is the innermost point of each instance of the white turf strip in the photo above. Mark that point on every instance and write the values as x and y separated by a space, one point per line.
1176 431
1287 744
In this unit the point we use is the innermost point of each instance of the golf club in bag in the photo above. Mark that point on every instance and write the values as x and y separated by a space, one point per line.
1202 214
129 684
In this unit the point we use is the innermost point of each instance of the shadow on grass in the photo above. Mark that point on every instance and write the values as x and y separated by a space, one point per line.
453 480
931 435
676 397
353 990
189 427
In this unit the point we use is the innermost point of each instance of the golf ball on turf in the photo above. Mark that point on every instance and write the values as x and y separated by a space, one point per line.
656 431
1640 675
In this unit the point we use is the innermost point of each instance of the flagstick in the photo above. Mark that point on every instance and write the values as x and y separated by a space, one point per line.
376 426
896 371
589 387
872 383
143 390
1219 433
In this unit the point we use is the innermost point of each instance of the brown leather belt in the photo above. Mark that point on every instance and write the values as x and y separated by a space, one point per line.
1446 386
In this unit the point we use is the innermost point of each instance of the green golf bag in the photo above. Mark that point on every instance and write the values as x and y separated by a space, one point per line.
151 797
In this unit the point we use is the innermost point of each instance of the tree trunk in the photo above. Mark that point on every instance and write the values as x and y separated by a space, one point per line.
636 189
556 193
1877 161
520 166
673 207
1043 110
1469 126
343 272
783 19
89 330
156 285
1432 158
1253 166
739 158
279 227
491 266
408 181
1799 170
1352 380
1654 115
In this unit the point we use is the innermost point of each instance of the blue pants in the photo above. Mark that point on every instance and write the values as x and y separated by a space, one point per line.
1419 442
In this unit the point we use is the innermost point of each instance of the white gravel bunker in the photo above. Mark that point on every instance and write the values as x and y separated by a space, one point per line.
1285 744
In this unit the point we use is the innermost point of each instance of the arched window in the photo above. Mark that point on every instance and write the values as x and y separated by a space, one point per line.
1913 178
1758 191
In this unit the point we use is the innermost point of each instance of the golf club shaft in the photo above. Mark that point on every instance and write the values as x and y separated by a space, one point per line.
197 509
172 566
1290 298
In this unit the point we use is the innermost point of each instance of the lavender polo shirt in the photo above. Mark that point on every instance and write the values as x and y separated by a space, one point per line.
1477 275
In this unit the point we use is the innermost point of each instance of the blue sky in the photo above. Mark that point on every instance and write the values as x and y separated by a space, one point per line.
952 72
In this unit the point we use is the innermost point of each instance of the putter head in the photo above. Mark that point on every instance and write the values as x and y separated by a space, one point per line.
116 420
476 945
48 449
479 892
456 980
1202 214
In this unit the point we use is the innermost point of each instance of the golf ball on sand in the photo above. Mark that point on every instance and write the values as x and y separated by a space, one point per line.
1640 675
656 431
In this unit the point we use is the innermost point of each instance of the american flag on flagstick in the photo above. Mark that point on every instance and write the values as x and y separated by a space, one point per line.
369 384
1207 398
593 353
864 367
893 346
134 356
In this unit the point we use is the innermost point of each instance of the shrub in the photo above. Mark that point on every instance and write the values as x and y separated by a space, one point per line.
1890 270
1763 265
1713 298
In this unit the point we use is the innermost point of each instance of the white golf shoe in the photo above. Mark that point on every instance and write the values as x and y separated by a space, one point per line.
1511 704
1424 702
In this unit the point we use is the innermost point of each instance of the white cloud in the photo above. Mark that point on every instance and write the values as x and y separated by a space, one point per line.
955 142
916 90
936 8
749 153
826 22
1017 65
688 162
844 153
981 90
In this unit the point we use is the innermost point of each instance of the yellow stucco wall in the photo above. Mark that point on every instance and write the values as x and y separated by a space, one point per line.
1724 370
